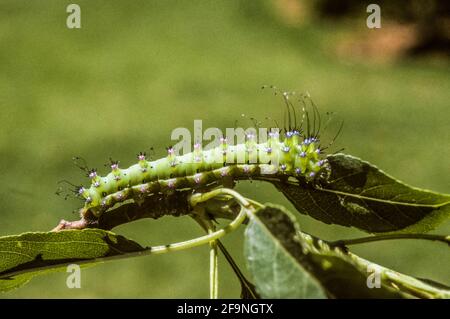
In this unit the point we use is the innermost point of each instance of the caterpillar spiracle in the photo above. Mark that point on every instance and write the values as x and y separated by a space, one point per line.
293 153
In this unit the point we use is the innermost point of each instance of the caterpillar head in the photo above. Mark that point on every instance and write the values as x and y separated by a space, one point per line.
303 127
309 162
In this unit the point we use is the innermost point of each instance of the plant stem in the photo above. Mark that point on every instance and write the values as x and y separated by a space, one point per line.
248 289
404 283
206 223
363 240
213 264
203 197
246 210
203 239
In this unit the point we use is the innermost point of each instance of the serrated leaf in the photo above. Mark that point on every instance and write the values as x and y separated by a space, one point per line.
359 194
286 263
24 256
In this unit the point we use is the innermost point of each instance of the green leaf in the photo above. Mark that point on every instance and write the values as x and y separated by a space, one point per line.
24 256
272 258
286 263
361 195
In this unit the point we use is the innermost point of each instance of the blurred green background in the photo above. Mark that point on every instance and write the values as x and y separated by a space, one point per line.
138 69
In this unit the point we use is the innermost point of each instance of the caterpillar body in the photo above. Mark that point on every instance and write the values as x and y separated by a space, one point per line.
294 155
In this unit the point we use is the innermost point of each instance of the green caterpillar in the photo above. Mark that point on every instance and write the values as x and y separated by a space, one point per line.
293 154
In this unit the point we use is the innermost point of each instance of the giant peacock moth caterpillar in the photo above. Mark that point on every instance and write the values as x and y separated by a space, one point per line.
295 153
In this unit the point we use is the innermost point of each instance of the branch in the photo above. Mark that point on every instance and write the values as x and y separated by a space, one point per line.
154 207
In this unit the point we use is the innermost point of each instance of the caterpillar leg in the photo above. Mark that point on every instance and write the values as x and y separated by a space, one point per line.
77 224
87 219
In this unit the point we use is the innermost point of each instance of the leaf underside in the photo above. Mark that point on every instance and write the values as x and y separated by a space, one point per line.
271 260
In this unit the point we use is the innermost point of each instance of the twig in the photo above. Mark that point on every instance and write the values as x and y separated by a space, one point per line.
363 240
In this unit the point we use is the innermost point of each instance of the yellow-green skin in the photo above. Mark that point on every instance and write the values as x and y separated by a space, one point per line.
294 156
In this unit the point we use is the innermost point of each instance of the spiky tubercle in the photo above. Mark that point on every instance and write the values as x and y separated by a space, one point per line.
294 156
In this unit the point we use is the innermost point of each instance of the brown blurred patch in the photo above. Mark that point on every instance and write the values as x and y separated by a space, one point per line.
386 44
293 12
